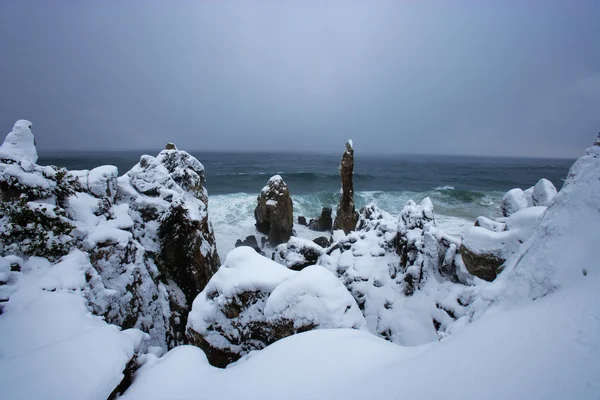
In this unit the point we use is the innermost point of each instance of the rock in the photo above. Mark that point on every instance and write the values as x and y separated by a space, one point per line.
274 212
514 200
346 216
322 241
102 182
485 250
250 241
251 302
19 144
543 193
170 146
302 221
298 253
323 222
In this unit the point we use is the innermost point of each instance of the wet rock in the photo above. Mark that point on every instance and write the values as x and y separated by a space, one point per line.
322 241
274 212
346 216
302 221
324 222
250 241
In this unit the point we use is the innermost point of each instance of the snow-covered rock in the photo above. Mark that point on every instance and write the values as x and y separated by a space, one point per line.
274 211
323 222
252 302
102 181
298 253
543 193
485 250
514 200
19 144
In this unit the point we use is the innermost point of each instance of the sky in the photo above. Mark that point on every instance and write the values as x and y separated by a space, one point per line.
506 78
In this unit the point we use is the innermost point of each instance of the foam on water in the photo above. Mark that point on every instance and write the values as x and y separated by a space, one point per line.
232 215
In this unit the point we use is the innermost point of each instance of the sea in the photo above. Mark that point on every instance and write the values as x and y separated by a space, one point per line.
460 187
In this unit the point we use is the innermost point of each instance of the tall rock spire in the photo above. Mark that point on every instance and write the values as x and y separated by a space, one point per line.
347 216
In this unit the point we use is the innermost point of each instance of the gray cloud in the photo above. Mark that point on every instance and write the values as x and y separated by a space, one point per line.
440 77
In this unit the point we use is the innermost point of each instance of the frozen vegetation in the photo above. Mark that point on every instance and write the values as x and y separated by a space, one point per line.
110 285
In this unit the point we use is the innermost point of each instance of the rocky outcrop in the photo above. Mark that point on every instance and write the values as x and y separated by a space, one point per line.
423 249
144 240
346 216
323 222
514 200
542 194
252 302
274 212
302 221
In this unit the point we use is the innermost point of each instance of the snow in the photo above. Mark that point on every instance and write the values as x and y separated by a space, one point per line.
513 201
543 193
46 324
102 181
19 144
542 350
314 296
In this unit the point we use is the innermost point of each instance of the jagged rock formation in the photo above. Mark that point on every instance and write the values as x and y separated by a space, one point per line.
252 302
322 223
346 216
274 212
143 240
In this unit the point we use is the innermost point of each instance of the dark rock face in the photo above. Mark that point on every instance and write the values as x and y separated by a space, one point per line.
485 266
323 222
346 213
302 221
250 241
322 241
274 212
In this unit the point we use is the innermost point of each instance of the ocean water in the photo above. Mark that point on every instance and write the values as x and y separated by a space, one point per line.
461 187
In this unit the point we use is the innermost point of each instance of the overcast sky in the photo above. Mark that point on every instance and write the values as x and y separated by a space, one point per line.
442 77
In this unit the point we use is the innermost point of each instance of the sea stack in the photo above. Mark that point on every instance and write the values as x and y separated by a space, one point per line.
347 216
274 212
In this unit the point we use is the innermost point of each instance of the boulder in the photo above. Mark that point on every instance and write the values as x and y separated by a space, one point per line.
274 212
514 200
302 221
323 222
346 216
251 302
102 182
322 241
19 144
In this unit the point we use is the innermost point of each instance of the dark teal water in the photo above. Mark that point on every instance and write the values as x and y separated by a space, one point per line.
313 173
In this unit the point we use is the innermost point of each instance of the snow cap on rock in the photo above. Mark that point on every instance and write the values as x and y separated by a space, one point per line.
19 144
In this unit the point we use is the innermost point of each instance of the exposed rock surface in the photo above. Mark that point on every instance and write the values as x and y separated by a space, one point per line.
302 221
346 216
323 222
250 241
252 302
274 212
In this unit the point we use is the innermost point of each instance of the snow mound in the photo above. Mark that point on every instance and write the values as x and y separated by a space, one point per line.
252 302
19 144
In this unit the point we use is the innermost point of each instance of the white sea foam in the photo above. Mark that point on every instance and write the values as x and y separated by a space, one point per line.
232 215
